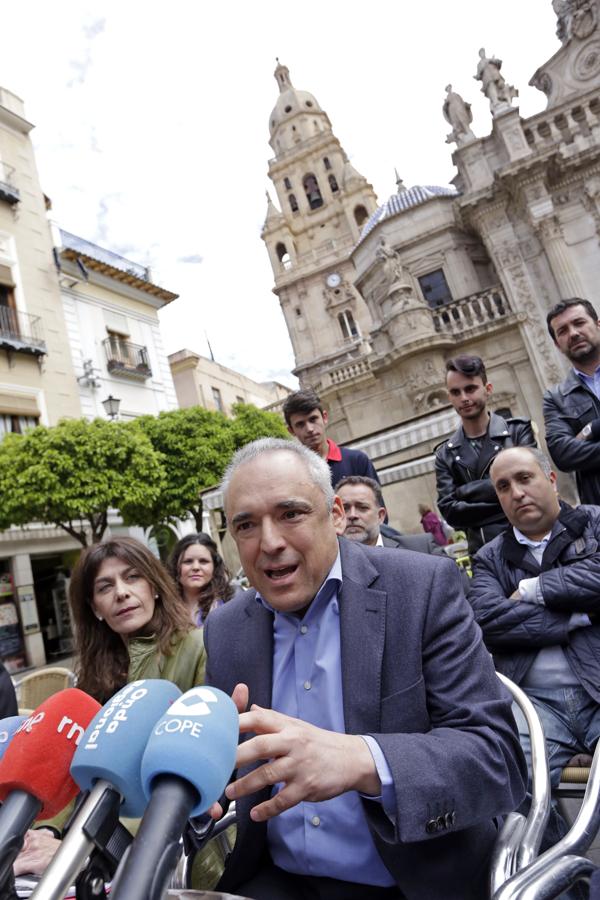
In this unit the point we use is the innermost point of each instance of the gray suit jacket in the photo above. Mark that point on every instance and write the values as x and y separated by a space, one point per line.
422 543
416 676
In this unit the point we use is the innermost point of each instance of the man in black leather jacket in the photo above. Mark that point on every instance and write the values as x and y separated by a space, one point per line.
572 408
466 496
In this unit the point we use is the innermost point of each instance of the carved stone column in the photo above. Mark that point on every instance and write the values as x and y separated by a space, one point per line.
565 273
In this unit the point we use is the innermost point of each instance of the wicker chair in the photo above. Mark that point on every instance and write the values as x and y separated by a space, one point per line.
36 687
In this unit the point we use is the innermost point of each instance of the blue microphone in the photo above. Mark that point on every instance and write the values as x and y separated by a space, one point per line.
187 764
8 727
107 763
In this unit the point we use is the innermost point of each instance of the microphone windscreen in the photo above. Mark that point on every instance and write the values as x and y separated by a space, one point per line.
8 727
38 758
196 739
114 742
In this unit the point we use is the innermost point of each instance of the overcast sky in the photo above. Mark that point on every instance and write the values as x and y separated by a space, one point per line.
152 127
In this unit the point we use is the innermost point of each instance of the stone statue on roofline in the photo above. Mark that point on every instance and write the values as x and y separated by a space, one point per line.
458 113
493 85
575 18
393 270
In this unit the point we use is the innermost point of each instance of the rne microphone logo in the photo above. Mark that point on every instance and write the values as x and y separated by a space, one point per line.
193 703
30 721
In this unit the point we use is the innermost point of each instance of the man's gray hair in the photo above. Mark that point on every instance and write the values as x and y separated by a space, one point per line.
541 459
316 465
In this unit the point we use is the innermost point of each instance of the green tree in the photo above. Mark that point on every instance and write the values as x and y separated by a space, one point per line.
195 445
71 474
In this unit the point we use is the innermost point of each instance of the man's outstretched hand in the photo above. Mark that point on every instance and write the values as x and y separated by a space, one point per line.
312 763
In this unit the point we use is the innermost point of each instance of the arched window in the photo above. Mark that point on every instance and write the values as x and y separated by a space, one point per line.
311 189
326 163
287 184
360 215
293 203
333 184
349 327
283 256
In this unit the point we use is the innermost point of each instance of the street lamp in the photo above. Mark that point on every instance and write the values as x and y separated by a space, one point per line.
111 406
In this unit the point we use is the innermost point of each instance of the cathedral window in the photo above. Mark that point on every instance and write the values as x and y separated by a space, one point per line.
309 102
283 256
349 328
435 288
360 215
326 163
288 109
333 184
287 184
311 189
293 203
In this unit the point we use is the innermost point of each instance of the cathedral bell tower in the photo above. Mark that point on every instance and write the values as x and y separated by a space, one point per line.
323 204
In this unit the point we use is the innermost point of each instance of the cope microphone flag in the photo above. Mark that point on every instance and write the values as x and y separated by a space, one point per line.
187 764
35 779
108 764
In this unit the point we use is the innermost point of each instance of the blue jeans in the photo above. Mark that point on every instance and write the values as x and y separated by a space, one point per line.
571 722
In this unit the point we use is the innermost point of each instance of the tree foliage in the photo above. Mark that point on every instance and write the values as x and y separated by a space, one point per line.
71 474
195 445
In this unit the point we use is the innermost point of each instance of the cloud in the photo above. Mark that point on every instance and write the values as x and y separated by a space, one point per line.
193 259
80 67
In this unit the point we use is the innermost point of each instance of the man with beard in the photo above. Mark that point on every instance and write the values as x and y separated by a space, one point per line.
466 496
572 408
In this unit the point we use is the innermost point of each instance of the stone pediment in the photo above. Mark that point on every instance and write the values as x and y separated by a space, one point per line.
575 68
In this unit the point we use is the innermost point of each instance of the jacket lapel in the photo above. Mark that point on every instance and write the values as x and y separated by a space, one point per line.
495 440
362 630
256 639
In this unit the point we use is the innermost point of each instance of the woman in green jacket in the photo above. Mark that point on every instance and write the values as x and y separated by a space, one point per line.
130 624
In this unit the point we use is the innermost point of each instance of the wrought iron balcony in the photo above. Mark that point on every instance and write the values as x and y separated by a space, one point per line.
481 309
21 332
125 358
8 192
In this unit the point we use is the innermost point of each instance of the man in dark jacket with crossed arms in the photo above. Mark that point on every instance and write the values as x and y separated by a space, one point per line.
536 594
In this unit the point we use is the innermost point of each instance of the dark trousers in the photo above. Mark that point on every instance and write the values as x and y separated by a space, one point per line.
272 883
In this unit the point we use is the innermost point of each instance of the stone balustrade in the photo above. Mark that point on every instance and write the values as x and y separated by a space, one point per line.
478 309
350 370
572 126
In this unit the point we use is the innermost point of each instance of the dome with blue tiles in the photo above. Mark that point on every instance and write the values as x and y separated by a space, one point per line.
404 199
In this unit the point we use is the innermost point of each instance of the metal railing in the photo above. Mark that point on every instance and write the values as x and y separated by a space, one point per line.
20 331
8 192
478 309
123 356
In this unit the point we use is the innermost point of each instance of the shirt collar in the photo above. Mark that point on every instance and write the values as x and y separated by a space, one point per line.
523 539
584 376
328 589
334 454
379 541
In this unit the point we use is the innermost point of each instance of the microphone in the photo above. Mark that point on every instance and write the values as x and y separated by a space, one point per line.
107 763
34 771
8 727
188 761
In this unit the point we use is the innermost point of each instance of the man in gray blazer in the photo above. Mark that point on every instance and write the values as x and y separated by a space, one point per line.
366 513
377 745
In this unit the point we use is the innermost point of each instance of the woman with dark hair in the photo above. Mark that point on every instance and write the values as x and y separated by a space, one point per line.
129 621
200 574
129 625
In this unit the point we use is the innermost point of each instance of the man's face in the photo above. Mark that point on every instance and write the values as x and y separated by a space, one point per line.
286 538
363 515
527 496
467 394
309 428
577 334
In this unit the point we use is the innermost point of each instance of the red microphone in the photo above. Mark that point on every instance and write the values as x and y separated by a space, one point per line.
35 779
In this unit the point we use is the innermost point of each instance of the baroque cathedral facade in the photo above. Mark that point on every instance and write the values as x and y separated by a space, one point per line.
377 296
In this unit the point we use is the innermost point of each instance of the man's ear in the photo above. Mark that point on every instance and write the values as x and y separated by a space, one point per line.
338 515
290 429
325 415
489 389
381 514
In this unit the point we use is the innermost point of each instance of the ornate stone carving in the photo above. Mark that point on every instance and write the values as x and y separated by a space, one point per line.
458 113
576 18
587 61
393 270
493 84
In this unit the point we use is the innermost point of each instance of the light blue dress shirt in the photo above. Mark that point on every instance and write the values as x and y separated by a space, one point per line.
330 838
591 381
